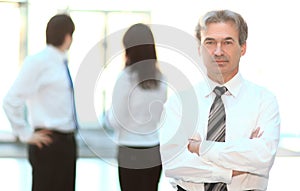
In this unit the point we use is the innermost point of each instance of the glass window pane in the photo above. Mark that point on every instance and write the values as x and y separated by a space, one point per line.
91 29
9 48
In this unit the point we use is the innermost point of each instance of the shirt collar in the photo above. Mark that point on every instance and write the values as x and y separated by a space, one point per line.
59 54
234 85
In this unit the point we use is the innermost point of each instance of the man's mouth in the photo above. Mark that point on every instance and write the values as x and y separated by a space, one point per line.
220 61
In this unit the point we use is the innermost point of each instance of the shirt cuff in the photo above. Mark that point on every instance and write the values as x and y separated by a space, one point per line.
222 175
25 135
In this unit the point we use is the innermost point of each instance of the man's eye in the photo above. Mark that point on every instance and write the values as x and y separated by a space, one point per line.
209 42
228 42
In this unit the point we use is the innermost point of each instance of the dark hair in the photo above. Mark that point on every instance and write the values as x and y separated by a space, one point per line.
57 28
141 55
224 16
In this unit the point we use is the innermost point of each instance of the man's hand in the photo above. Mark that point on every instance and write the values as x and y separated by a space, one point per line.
41 138
194 144
256 133
236 173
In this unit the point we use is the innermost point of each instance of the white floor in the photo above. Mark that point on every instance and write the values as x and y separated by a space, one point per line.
97 175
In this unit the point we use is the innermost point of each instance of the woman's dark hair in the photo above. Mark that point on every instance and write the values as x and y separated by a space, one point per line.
57 28
141 55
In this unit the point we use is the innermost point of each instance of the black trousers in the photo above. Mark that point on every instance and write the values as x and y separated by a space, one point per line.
181 189
139 168
54 166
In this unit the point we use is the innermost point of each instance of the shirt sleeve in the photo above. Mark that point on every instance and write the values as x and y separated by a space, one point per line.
116 115
111 120
14 103
250 155
178 125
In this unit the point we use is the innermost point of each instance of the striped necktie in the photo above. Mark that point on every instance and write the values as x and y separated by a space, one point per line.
72 93
216 130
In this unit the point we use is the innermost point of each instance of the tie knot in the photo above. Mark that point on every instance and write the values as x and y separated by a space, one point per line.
219 91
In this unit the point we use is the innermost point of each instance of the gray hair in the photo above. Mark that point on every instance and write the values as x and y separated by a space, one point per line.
223 16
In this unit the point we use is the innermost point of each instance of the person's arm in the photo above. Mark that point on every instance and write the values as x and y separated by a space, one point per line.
178 163
194 147
249 155
116 116
111 120
14 105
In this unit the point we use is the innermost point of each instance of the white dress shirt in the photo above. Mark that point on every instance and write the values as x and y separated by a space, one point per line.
247 107
135 112
43 87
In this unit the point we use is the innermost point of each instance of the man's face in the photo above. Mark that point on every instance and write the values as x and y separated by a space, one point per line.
221 50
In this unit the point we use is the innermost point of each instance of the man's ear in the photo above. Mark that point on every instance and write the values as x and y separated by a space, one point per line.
68 38
243 49
67 42
199 50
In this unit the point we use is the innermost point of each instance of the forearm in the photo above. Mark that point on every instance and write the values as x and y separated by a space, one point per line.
243 155
252 154
15 112
189 167
194 147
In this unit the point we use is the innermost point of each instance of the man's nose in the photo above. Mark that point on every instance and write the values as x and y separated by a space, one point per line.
218 50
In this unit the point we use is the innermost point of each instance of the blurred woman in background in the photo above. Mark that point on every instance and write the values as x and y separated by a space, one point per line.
137 105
